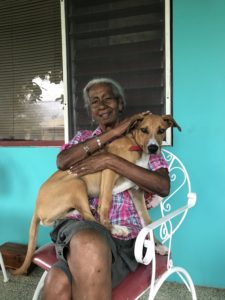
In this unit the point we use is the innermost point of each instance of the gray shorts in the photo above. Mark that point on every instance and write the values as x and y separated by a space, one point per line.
123 260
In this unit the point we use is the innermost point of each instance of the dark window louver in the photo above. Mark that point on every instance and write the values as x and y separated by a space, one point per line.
123 40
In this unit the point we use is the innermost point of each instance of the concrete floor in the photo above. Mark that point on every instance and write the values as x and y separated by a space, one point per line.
22 288
174 291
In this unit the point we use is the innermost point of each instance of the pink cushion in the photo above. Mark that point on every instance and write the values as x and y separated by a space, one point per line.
132 286
137 282
45 256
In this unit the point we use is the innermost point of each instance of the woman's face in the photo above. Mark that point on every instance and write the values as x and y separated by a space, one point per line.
104 107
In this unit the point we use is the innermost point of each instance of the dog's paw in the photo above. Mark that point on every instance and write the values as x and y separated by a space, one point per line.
73 214
120 230
161 249
155 201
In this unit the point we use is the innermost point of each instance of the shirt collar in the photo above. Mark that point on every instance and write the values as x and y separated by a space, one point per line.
97 131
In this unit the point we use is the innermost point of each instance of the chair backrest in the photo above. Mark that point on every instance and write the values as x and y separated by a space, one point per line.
178 197
172 209
168 218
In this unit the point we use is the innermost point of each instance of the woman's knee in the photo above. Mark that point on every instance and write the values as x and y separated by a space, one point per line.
88 247
56 284
89 240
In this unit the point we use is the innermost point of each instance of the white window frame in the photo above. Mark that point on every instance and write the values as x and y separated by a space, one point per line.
168 73
64 66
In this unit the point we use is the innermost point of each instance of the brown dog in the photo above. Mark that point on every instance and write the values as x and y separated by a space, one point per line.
63 192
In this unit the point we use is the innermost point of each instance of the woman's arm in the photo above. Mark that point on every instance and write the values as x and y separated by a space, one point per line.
78 152
150 181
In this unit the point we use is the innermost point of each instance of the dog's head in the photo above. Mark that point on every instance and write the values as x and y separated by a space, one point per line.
150 132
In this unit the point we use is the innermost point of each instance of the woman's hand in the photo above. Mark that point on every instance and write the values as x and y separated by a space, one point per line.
125 125
128 123
92 164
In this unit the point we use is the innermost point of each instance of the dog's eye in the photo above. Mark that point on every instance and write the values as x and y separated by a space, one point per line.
161 130
144 129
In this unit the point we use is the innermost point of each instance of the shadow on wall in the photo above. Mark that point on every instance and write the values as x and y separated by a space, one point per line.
4 182
12 178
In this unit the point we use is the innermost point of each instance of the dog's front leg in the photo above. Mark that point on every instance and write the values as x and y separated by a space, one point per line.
108 181
139 202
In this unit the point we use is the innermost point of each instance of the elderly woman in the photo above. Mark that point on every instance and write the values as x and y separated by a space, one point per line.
90 260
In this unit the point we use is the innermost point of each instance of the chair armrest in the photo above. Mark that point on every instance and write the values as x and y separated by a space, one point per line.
145 238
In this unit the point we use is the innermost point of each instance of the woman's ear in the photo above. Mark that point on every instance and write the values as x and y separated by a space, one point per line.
90 115
92 118
120 106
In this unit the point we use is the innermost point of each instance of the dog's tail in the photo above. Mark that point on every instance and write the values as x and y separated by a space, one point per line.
31 247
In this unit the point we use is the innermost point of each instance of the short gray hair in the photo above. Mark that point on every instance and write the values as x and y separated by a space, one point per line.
115 86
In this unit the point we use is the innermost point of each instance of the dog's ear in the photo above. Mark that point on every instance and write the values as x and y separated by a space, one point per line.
171 122
137 120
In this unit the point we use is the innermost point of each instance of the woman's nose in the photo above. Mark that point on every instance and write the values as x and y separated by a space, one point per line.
102 103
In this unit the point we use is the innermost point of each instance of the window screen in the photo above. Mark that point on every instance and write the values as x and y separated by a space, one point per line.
31 90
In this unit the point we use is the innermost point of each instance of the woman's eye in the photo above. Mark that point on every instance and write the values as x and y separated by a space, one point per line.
95 101
161 131
108 99
144 130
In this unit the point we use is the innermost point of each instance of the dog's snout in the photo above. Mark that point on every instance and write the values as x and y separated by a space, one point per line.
153 148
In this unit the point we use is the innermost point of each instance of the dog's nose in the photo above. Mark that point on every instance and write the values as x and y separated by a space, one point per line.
152 149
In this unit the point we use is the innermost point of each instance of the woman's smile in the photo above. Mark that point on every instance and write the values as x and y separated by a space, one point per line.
105 115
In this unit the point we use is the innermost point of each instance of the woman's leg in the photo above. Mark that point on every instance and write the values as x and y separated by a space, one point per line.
57 286
89 261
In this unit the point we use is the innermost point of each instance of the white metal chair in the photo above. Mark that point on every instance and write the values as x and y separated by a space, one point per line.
154 269
172 212
5 277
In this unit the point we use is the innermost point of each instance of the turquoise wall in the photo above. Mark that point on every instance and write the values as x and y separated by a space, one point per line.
199 106
22 171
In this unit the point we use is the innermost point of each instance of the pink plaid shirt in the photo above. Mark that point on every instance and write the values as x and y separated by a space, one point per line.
122 211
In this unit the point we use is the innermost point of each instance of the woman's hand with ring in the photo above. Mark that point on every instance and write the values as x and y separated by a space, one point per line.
92 164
